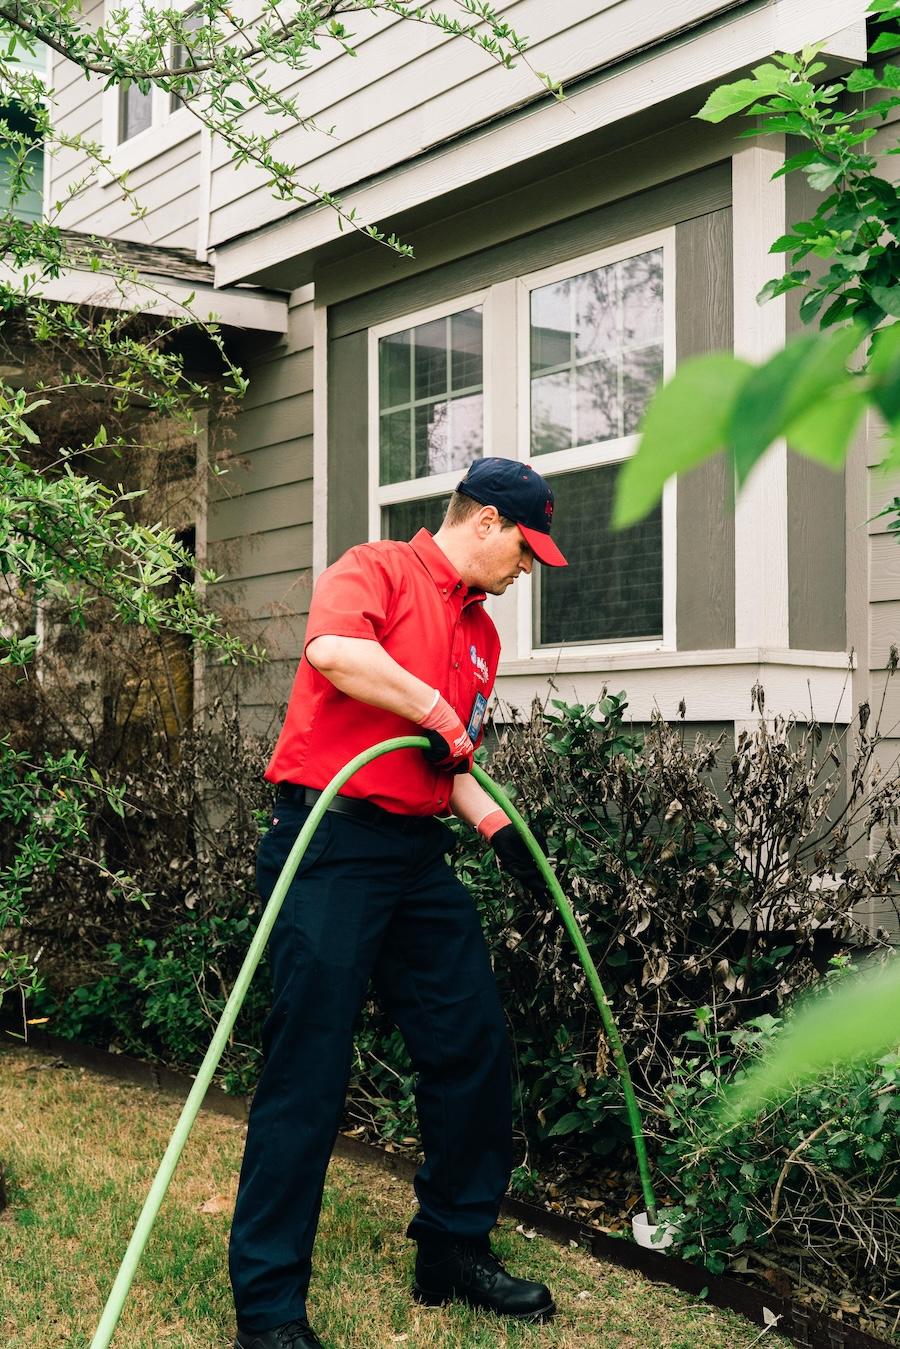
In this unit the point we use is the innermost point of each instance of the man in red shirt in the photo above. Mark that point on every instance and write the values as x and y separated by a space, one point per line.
397 642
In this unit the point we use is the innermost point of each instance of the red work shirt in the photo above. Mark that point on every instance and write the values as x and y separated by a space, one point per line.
410 599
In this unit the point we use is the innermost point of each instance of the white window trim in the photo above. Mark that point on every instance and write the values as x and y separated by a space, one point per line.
604 452
441 484
514 614
167 129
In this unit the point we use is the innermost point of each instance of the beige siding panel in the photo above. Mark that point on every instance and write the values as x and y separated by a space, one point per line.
267 686
280 637
884 567
883 487
264 554
462 89
274 508
271 466
884 632
280 378
288 419
884 700
267 596
167 186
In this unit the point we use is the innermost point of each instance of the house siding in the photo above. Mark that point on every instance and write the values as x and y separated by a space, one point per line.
167 183
260 519
412 89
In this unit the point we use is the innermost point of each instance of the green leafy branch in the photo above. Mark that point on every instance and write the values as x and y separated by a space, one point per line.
846 260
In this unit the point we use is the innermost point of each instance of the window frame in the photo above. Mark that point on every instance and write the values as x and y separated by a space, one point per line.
441 484
168 126
597 454
506 306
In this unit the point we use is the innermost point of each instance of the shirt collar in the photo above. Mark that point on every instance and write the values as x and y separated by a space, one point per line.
440 569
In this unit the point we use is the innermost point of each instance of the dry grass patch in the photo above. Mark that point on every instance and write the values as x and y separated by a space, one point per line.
81 1152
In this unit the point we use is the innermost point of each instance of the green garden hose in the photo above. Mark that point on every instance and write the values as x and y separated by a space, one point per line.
119 1292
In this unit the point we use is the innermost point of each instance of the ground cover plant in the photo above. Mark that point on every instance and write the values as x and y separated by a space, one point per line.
75 1191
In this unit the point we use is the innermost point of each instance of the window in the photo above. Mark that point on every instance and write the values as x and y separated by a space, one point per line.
596 351
138 110
428 414
594 338
21 176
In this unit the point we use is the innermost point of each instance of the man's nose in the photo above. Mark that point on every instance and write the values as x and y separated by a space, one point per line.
527 563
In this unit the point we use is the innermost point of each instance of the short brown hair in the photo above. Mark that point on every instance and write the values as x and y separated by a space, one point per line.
460 507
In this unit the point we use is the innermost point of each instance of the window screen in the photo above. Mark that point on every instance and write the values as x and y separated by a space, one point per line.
431 398
596 353
612 587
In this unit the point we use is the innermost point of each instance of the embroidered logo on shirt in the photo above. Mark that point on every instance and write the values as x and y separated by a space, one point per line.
480 663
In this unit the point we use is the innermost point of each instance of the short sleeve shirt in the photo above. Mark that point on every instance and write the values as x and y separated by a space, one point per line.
409 598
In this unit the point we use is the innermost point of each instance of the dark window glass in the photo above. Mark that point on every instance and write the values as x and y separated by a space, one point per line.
406 518
612 588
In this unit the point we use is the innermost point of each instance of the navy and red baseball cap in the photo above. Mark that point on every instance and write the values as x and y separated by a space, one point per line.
519 494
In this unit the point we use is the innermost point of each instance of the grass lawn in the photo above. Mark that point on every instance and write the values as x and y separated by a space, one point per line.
80 1153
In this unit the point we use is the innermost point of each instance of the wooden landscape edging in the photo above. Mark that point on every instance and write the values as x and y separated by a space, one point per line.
805 1327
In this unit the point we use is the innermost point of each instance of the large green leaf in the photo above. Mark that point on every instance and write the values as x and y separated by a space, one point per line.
729 99
686 422
858 1020
811 368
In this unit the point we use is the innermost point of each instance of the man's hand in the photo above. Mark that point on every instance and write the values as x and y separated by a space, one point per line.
451 749
512 852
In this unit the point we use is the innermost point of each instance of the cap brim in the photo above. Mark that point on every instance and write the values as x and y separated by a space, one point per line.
543 547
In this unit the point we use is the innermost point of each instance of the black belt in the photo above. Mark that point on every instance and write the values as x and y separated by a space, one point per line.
341 805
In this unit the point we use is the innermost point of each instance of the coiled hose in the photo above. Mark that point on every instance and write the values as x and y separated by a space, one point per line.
119 1292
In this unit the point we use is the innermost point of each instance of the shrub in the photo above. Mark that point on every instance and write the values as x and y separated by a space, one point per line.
811 1187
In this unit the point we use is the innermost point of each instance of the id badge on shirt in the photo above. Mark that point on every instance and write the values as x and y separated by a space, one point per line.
479 707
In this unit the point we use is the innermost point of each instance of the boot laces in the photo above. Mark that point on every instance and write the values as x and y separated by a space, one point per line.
480 1262
295 1333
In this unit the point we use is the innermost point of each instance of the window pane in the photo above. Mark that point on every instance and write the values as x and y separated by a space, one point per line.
642 372
394 371
434 375
395 446
551 413
430 358
432 440
641 282
135 110
597 343
612 587
465 349
551 326
182 57
408 517
596 321
597 406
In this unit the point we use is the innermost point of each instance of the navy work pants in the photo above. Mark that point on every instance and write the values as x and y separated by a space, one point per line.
370 901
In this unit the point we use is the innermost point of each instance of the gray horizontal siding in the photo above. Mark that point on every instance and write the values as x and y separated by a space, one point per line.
260 520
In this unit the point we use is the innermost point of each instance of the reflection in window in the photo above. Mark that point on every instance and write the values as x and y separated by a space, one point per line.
406 518
135 110
596 353
613 587
431 398
21 165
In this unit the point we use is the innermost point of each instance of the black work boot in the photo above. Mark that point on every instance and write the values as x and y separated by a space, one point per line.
471 1273
297 1334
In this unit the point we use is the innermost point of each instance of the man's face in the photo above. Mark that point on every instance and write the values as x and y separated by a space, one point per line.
503 556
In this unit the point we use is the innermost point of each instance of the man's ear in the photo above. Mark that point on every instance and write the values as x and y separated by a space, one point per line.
486 517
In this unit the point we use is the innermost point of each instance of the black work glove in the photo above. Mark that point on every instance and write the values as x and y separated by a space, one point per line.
515 859
442 755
